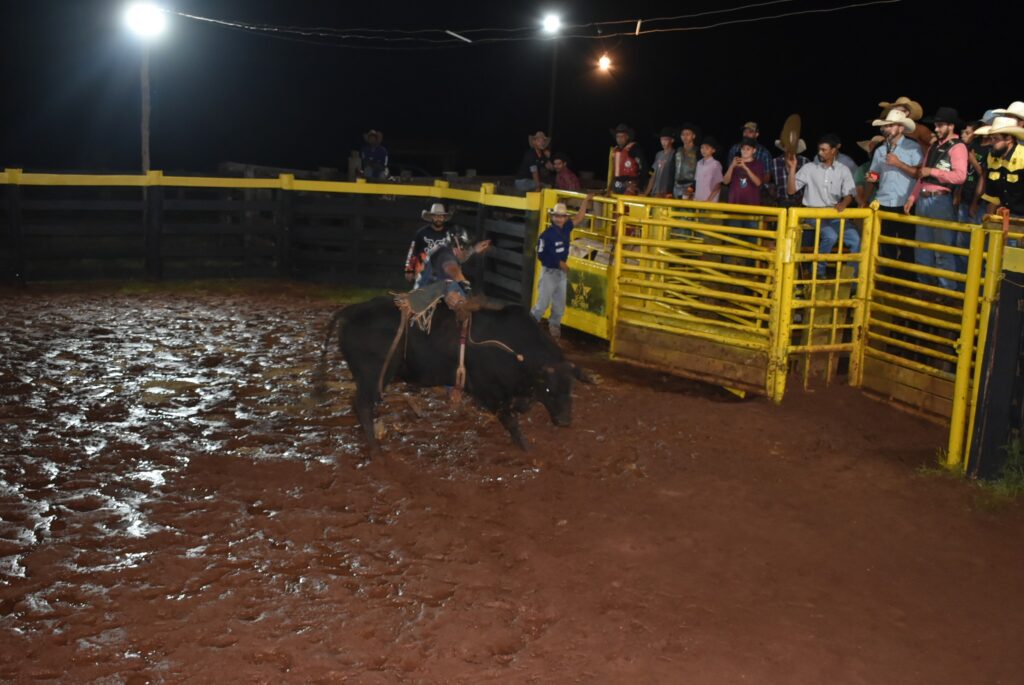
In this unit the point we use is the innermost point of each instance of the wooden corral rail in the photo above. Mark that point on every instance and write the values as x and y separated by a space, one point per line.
75 226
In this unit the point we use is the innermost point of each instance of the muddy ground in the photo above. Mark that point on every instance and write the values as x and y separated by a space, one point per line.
174 507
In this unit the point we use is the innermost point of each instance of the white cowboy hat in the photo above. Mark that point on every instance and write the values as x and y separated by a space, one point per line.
801 146
436 209
1005 125
916 111
895 116
535 136
559 208
1015 110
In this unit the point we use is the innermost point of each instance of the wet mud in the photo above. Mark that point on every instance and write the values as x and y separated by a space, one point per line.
176 507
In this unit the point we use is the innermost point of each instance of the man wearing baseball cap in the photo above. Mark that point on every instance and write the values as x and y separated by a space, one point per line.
750 131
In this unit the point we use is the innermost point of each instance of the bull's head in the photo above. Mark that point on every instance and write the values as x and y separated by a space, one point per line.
556 392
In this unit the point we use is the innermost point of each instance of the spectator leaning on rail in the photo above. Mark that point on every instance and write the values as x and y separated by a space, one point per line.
1004 178
686 159
745 176
553 252
627 162
663 169
565 178
826 183
373 157
944 169
536 167
894 169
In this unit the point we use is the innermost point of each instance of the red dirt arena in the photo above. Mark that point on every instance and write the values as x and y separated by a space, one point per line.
174 507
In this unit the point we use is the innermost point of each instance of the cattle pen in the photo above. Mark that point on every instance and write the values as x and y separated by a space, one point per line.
175 507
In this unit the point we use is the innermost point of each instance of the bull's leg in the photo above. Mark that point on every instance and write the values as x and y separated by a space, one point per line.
366 399
510 420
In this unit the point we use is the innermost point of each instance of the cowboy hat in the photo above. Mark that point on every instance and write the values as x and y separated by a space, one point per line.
1015 110
535 136
895 116
436 209
373 133
801 146
1002 125
559 209
868 146
944 115
623 128
916 111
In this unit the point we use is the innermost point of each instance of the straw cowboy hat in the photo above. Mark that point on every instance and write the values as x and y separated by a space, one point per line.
916 111
1008 126
373 133
539 135
801 146
895 116
1015 110
559 210
436 209
868 146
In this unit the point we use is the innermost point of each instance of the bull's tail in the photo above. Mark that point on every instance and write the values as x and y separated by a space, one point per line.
334 326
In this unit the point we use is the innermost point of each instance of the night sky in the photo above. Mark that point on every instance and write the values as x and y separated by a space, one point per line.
71 80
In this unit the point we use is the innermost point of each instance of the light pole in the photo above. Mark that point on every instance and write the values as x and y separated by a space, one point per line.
147 22
552 25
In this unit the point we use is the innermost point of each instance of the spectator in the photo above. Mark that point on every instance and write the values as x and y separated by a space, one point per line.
745 175
565 178
1004 185
827 184
553 252
627 162
750 132
945 168
708 176
967 198
1015 110
686 162
893 171
373 157
866 190
535 169
664 167
780 173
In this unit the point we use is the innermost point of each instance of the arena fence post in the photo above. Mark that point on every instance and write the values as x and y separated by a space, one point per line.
283 223
14 239
965 351
782 310
152 219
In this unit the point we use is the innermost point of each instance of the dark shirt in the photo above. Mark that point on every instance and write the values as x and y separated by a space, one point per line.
375 160
780 173
531 161
426 242
970 186
1004 179
553 245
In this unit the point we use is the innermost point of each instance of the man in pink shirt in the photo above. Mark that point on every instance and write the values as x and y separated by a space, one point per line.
944 168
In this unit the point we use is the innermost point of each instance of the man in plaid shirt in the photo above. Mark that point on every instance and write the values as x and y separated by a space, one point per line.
780 172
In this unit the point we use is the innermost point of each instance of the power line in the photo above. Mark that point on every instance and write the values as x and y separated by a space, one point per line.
419 39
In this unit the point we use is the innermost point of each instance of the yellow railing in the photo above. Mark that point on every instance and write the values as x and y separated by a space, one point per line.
742 296
440 189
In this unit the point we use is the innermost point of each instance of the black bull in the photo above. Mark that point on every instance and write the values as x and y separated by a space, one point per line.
510 362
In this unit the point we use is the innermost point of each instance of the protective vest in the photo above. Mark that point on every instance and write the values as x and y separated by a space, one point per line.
938 158
625 163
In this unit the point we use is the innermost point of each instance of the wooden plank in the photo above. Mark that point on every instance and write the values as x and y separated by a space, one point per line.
510 228
702 359
220 205
510 284
214 229
85 229
881 369
500 255
681 361
912 397
83 205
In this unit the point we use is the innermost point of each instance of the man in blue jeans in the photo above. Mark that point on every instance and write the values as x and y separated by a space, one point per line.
944 169
826 183
553 252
